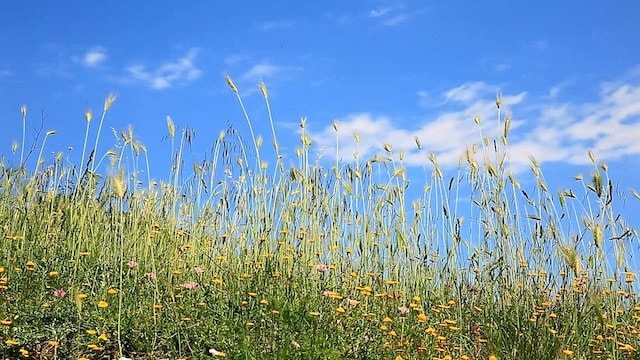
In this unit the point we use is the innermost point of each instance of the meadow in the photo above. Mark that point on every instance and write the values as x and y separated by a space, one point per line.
289 257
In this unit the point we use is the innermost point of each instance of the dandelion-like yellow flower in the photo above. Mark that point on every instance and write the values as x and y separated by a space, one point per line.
103 304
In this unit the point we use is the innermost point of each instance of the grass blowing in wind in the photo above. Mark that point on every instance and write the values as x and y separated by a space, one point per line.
312 259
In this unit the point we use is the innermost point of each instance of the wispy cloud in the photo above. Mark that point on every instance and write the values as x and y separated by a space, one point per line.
380 12
94 57
543 127
166 75
389 15
340 19
468 92
501 67
260 70
236 58
555 90
277 24
538 45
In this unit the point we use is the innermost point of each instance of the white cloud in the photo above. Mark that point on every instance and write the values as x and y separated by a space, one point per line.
546 128
426 99
168 74
468 92
446 134
261 70
555 90
389 15
380 12
94 57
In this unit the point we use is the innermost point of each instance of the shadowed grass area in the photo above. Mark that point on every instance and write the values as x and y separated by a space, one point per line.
246 260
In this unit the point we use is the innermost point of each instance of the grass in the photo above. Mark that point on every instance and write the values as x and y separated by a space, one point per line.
245 260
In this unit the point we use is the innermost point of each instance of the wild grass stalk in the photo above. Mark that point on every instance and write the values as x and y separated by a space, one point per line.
88 116
108 102
23 112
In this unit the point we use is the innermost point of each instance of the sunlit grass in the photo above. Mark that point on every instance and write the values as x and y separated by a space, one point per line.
248 258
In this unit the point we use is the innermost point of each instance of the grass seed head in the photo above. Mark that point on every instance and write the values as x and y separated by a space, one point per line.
171 126
231 84
263 89
109 101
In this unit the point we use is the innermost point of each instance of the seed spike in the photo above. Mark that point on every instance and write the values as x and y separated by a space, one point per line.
263 89
109 101
231 84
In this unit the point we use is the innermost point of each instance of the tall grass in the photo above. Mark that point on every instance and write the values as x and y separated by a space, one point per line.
312 260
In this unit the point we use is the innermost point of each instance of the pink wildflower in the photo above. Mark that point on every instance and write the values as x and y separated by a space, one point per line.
132 264
322 267
353 302
403 309
198 270
59 293
190 285
150 276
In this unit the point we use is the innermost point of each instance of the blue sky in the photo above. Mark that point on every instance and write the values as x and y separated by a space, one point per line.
568 72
